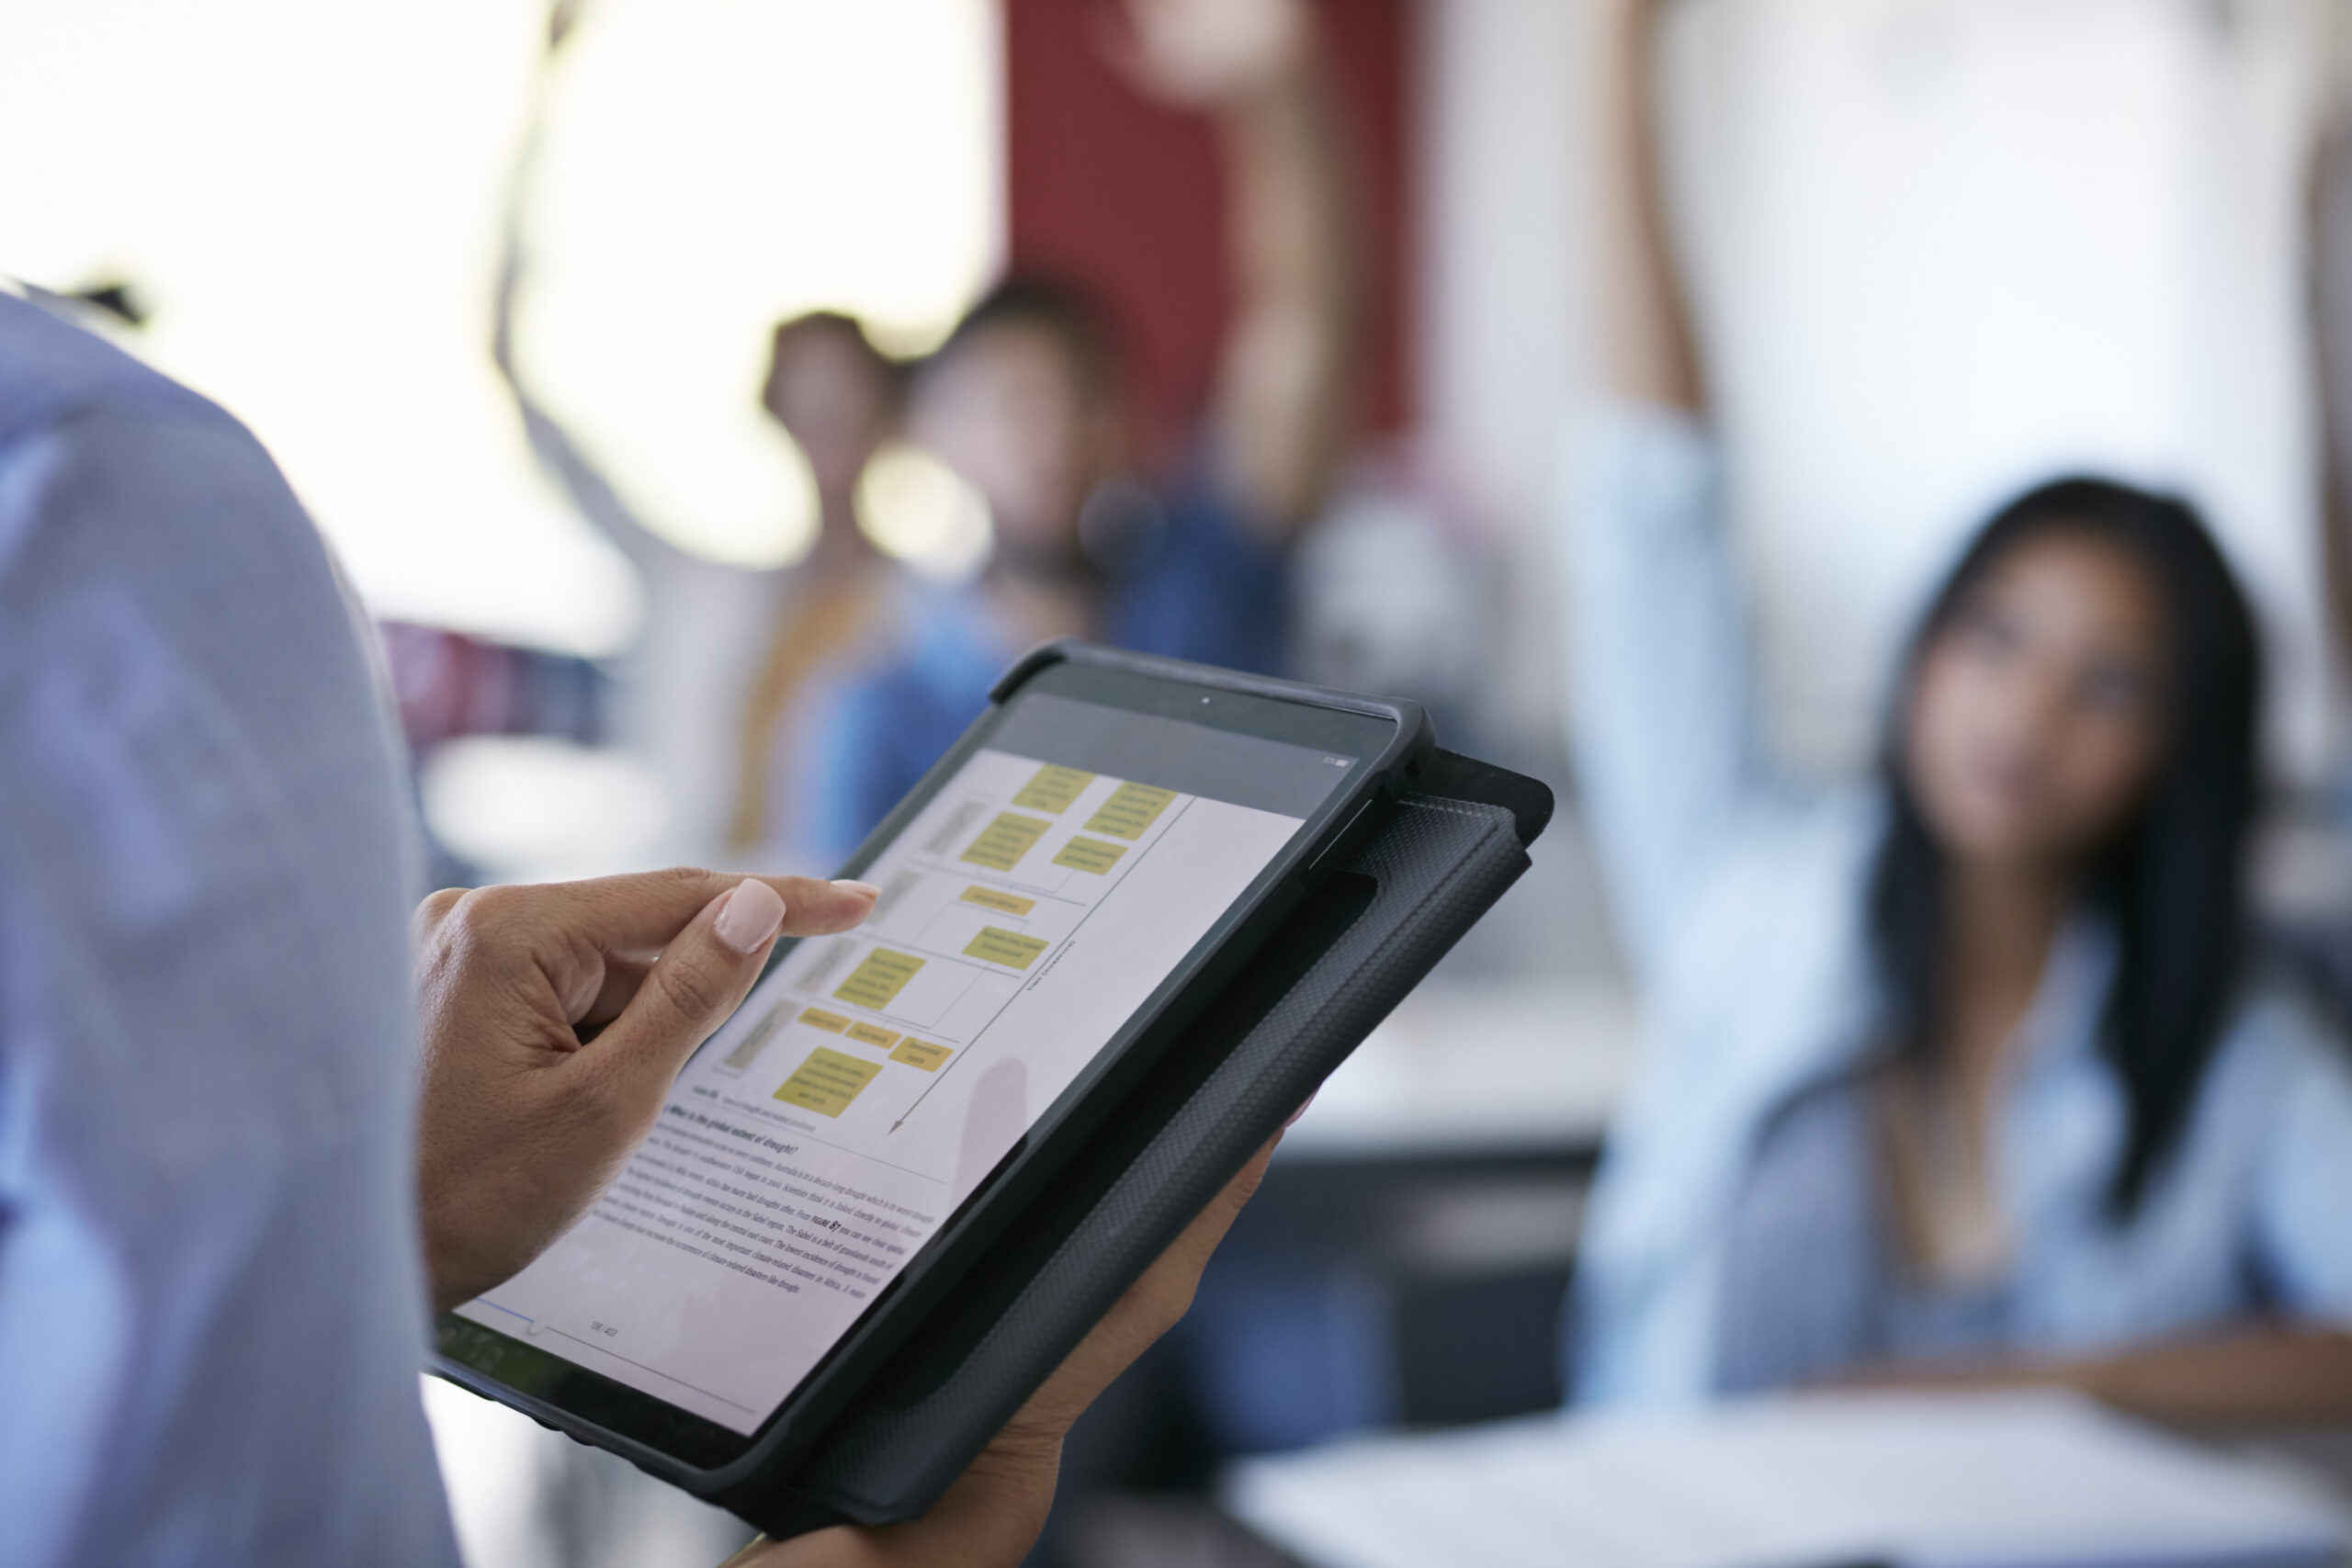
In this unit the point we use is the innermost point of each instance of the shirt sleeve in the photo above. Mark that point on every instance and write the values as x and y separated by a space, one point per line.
1664 734
212 1301
2304 1189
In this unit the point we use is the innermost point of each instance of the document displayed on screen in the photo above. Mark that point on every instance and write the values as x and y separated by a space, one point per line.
874 1079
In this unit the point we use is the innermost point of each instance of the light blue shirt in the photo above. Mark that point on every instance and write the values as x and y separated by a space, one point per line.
1202 585
212 1307
1740 900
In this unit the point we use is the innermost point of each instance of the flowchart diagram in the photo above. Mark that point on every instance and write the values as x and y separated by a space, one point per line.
975 907
876 1077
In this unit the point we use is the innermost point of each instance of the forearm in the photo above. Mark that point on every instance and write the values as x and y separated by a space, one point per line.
1297 237
1664 730
994 1511
560 455
2257 1376
1651 352
993 1514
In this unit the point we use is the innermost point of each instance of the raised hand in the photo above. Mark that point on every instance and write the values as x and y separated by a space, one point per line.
1203 54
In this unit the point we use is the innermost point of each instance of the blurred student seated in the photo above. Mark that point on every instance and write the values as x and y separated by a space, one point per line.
1024 401
1968 1073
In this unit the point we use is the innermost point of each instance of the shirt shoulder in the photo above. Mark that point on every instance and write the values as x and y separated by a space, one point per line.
2279 1086
50 368
1204 584
879 719
2278 1038
204 1066
93 443
2276 1108
939 658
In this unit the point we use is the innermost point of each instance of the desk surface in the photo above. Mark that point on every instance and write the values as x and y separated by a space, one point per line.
1988 1478
1473 1069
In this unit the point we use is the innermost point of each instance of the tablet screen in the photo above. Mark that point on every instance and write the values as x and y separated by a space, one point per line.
874 1079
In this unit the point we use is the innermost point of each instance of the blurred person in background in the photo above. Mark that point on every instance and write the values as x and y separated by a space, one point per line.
835 394
1967 1075
714 689
1024 401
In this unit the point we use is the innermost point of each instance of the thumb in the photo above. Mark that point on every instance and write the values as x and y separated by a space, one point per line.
700 978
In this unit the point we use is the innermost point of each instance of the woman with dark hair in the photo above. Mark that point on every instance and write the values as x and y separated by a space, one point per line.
1966 1072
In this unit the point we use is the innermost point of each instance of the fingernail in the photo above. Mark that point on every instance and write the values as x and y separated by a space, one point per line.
750 915
866 888
1301 1111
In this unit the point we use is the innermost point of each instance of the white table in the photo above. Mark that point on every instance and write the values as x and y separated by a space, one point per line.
1473 1069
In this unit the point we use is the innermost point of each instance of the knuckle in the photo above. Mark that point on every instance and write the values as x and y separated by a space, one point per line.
471 929
437 906
470 918
491 905
429 927
694 989
686 876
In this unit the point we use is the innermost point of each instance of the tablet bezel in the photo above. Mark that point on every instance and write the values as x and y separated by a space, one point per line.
1391 738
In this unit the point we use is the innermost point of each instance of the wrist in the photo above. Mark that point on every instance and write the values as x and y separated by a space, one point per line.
446 1285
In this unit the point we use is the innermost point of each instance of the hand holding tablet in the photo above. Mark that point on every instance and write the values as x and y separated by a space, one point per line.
994 1511
554 1021
1066 920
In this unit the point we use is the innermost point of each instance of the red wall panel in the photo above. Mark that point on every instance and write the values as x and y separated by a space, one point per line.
1123 197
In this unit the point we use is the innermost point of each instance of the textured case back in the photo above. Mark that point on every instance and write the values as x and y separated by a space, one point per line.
1365 940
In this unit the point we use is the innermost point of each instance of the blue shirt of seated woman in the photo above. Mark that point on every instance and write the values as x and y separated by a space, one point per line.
1823 1162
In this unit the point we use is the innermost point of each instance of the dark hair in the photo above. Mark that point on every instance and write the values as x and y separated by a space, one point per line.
1072 315
2171 879
796 332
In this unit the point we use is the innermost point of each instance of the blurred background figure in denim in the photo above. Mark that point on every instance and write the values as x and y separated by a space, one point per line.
1026 402
838 398
712 691
1973 1066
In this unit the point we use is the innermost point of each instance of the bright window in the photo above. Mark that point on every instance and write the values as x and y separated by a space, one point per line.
310 198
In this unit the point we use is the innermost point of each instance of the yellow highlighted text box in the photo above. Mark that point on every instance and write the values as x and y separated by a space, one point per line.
1053 789
1091 855
817 1018
827 1082
878 981
868 1035
920 1054
1008 948
1131 808
1002 903
1003 842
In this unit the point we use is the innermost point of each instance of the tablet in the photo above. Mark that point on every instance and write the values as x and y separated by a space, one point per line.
1060 893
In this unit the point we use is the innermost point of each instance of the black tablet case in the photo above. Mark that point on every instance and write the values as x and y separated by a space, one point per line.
1447 850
